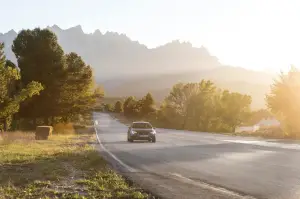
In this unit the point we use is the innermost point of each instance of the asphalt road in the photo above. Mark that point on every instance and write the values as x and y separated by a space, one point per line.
183 164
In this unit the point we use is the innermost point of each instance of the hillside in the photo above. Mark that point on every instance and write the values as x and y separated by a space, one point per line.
160 85
126 67
112 54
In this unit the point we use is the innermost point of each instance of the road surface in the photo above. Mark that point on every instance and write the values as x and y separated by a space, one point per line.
183 164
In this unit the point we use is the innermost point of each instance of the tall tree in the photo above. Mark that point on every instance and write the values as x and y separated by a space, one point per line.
203 105
78 96
40 58
183 99
11 95
284 101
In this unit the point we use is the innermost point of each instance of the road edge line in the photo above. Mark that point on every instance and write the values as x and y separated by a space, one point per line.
130 169
215 188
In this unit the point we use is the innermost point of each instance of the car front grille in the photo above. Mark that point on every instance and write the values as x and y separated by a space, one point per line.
143 132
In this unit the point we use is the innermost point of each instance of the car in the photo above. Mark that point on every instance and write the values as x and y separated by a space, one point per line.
141 131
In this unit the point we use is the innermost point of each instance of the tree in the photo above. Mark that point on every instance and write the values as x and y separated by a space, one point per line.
11 95
147 105
203 106
109 107
284 101
118 107
79 95
235 108
130 107
189 102
41 59
177 104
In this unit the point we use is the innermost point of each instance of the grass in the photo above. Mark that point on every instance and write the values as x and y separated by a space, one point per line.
65 166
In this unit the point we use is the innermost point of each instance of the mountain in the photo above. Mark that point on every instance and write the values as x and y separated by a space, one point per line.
255 84
126 67
8 38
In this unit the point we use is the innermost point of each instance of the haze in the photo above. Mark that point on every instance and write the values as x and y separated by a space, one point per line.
258 35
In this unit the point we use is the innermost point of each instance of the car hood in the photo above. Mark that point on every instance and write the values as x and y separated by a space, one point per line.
142 130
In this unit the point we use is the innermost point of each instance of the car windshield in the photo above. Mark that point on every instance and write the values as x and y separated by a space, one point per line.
141 125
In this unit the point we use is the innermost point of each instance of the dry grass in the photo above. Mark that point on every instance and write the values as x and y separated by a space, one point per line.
65 166
62 128
18 136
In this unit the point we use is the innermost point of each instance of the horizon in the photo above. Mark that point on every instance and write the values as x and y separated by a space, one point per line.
253 35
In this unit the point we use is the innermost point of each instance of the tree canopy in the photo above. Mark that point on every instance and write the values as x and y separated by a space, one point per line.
68 82
78 93
284 101
12 95
40 58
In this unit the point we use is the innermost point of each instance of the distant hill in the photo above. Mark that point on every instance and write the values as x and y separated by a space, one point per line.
112 54
160 85
126 67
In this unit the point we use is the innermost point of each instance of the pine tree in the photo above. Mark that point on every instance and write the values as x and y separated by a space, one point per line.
41 59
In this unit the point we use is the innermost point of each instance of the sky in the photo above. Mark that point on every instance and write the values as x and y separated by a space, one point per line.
255 34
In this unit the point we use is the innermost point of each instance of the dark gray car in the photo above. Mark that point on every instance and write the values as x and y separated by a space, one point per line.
141 131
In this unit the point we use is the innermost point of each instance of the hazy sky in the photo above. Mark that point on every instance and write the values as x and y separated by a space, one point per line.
257 34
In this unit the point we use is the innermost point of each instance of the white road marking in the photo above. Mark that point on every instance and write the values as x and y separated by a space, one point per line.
208 186
130 169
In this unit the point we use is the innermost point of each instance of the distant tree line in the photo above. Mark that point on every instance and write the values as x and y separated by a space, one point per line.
193 106
132 107
204 107
47 86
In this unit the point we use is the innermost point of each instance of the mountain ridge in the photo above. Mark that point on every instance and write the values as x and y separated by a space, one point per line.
118 61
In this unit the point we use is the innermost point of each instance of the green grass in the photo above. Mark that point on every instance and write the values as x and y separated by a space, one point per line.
65 166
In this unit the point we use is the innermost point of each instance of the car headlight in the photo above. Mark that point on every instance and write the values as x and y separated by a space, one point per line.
153 132
133 132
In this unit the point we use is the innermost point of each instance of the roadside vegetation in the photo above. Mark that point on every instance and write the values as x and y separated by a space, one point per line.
49 87
46 86
65 166
204 107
